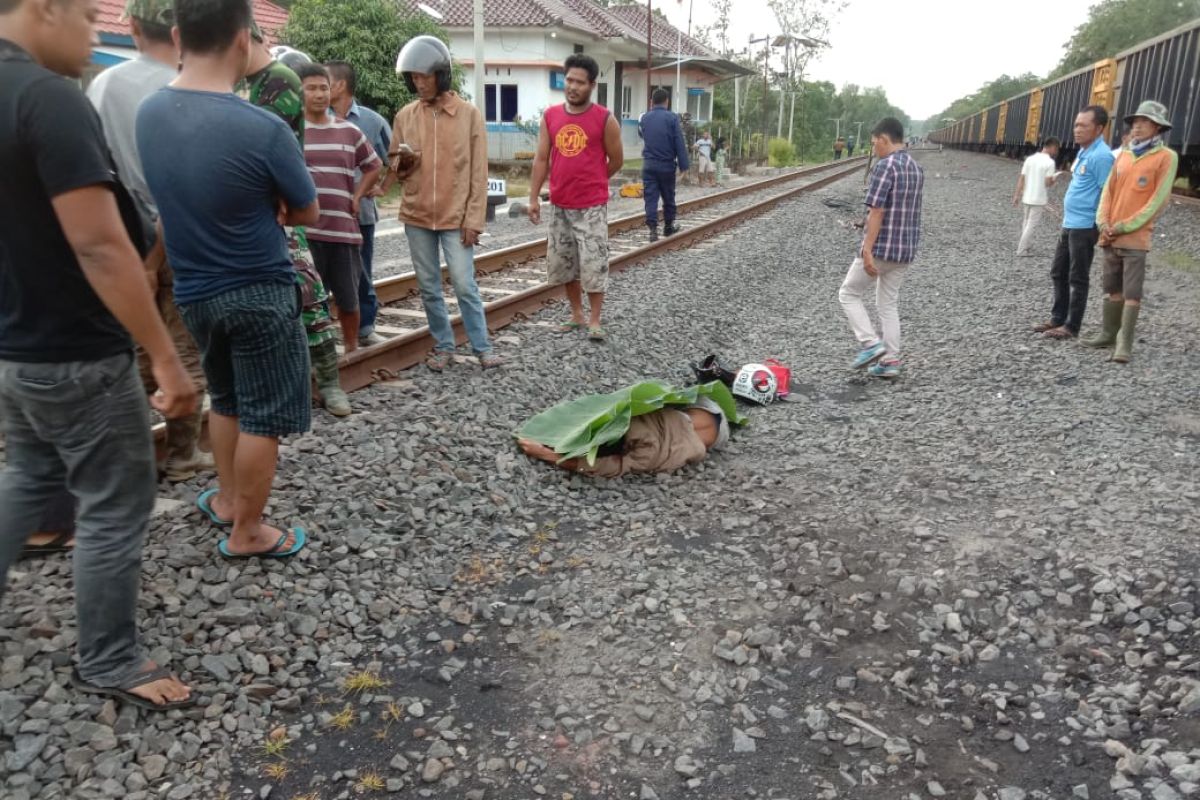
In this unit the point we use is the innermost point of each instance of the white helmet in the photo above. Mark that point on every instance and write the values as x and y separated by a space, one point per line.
289 56
756 383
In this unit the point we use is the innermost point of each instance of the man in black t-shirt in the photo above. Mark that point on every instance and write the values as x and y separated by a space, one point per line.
72 290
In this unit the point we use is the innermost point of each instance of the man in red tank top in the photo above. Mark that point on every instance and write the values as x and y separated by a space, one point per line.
579 146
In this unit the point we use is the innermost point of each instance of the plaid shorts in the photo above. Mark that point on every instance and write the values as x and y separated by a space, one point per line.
578 247
255 357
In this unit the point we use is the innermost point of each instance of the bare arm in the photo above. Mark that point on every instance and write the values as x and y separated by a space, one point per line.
874 225
93 227
612 145
365 186
1020 189
309 215
541 167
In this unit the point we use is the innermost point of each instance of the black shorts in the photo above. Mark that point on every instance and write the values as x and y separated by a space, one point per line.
255 356
340 267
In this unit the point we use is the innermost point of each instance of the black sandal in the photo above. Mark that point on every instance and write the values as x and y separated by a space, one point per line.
61 543
123 694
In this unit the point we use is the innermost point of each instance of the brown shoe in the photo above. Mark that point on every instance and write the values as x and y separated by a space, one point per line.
1058 333
1042 327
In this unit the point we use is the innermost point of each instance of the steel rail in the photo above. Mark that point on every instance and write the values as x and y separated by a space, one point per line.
382 361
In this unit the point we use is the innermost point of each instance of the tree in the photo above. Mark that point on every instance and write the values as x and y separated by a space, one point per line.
1115 25
366 33
716 36
802 20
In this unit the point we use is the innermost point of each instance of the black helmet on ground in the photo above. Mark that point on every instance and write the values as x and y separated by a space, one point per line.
427 55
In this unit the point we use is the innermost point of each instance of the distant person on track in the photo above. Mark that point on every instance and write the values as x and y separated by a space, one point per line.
839 144
893 232
444 203
336 152
343 83
1032 192
579 147
850 143
1136 194
1071 269
73 410
272 85
663 154
706 171
720 159
222 209
116 93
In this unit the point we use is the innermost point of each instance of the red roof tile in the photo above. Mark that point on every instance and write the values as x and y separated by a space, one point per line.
270 18
624 22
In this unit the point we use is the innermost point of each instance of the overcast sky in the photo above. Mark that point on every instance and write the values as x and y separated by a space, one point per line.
924 53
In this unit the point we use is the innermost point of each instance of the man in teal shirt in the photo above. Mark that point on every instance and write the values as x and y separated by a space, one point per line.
1070 271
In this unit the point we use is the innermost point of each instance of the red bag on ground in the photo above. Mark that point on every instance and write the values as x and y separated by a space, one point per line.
783 376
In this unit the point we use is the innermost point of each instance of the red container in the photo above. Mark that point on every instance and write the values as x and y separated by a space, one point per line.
783 376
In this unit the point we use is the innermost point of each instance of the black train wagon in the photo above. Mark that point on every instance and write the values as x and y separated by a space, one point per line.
991 128
1166 69
1061 102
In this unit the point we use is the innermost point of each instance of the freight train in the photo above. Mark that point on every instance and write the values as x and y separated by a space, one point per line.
1166 69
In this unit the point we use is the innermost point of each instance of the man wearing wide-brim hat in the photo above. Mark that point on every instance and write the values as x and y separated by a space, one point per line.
1134 196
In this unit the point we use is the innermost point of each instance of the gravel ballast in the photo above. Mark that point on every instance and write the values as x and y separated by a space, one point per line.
978 581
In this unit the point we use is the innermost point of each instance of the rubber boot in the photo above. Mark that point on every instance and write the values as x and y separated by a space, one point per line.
324 360
653 232
1112 323
1124 348
184 459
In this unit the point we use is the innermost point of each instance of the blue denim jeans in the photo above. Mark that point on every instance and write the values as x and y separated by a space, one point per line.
368 303
86 425
423 245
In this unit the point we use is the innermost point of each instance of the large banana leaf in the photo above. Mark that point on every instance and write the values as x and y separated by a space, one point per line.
579 428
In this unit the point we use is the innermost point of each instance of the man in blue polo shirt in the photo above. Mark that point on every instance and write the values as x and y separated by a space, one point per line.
1072 265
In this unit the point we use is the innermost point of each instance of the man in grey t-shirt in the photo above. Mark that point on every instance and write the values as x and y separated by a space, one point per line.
116 93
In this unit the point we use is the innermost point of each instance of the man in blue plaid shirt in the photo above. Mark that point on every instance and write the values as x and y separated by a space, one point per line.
889 245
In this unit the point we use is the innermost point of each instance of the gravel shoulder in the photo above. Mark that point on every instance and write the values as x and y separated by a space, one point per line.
979 581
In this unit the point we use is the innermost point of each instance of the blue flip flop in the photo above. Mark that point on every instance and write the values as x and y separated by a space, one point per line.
274 552
204 503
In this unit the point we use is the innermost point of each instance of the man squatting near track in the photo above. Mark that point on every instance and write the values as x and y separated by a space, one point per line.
1134 196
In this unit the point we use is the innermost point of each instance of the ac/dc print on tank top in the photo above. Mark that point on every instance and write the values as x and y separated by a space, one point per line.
578 160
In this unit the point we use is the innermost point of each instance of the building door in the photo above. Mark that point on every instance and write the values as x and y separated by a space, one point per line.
602 94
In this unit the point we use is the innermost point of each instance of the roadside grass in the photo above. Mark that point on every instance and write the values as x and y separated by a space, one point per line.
1177 259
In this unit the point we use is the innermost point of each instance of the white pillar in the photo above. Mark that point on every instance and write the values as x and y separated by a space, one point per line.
480 100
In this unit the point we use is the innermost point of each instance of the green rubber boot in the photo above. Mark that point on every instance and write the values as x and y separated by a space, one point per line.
1112 323
324 361
1124 348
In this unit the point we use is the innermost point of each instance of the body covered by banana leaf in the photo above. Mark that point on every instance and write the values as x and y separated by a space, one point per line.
579 428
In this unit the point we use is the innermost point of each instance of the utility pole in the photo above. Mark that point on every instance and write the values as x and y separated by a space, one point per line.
779 126
649 55
480 100
792 120
858 135
766 79
837 135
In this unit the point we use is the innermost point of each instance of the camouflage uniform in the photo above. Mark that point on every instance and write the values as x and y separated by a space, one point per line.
277 89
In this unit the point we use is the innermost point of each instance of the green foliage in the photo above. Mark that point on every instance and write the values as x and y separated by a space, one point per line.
989 94
1116 25
780 153
368 34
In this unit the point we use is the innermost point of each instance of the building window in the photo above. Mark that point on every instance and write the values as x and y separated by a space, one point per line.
501 102
578 48
626 101
602 94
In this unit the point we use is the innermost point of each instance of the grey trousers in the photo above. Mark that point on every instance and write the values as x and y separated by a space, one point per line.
86 425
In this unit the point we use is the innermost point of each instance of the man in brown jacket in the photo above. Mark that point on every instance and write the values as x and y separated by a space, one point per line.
440 153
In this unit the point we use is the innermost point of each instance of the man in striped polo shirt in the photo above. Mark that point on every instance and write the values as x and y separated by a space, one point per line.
333 149
889 245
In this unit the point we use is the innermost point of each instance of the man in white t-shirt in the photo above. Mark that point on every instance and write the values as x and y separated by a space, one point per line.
1037 175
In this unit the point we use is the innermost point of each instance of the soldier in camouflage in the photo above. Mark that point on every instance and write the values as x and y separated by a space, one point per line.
272 85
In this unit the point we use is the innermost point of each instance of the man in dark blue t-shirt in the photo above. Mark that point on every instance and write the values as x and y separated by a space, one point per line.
72 290
222 208
663 152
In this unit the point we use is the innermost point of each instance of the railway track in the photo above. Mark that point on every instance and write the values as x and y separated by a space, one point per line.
512 283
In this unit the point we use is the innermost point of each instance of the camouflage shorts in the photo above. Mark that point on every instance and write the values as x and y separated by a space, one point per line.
318 325
578 247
